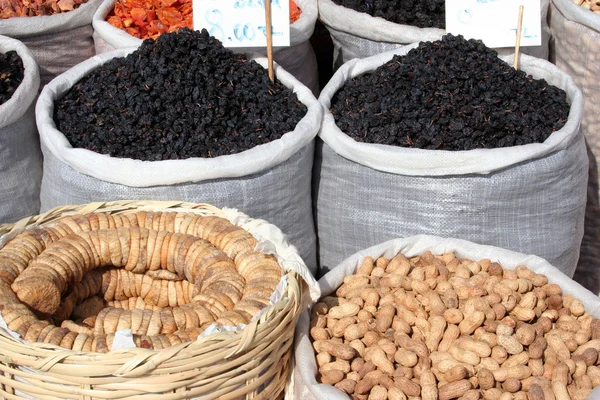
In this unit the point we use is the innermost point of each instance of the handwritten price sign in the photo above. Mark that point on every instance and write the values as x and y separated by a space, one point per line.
494 21
241 23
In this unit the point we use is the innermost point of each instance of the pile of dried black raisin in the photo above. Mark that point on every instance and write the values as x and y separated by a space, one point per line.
452 94
11 74
420 13
183 95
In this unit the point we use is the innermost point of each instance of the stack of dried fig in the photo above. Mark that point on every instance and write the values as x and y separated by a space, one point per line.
164 275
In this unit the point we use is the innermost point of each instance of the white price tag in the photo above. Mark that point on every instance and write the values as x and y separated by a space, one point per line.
242 23
495 21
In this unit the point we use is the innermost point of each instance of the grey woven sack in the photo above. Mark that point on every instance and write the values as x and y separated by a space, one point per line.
20 156
270 181
359 35
528 198
304 383
575 49
299 59
58 41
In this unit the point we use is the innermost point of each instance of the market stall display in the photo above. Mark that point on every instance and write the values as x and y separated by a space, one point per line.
442 318
525 197
20 155
576 50
117 26
57 41
361 29
246 293
262 166
12 9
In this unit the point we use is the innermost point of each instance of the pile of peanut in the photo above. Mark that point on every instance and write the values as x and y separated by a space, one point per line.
439 327
592 5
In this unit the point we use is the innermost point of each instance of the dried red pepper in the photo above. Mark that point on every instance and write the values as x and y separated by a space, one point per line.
34 8
146 19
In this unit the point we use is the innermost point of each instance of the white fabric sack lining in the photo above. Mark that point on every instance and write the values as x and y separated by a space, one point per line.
305 370
408 161
358 35
578 14
26 93
170 172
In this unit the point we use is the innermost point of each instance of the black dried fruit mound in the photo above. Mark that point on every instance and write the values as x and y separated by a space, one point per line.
183 95
11 74
453 94
420 13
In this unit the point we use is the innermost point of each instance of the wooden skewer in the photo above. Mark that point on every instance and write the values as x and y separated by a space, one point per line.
519 30
269 39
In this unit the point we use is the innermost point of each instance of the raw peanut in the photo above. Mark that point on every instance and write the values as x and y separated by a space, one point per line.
408 387
394 393
366 267
470 395
504 329
368 382
323 358
346 386
370 338
357 364
583 336
341 365
344 310
556 344
338 350
535 393
594 373
536 366
499 354
520 396
518 372
320 321
537 348
480 348
366 368
492 394
378 357
489 363
544 323
388 347
332 376
454 390
417 347
486 379
561 373
571 365
319 333
404 371
560 391
523 314
529 300
590 356
352 282
471 322
355 331
582 393
438 326
516 359
358 346
464 356
450 335
568 323
511 385
456 373
406 358
378 393
510 344
429 390
592 344
370 297
453 316
399 325
365 316
525 334
509 302
490 339
584 382
571 344
406 314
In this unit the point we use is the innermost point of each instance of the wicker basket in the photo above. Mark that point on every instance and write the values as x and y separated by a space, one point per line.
253 363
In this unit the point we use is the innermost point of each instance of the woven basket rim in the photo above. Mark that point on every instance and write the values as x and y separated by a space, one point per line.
132 362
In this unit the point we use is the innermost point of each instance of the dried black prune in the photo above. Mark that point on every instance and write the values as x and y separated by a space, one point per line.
183 95
451 94
12 73
420 13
